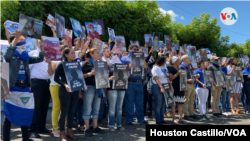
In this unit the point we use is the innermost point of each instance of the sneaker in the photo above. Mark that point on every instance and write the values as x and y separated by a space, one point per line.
145 119
195 117
111 128
120 128
188 118
98 130
143 122
210 110
195 113
203 117
225 113
229 113
88 133
56 133
129 123
164 122
206 117
248 112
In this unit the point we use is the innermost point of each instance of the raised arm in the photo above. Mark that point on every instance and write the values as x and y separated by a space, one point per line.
40 58
7 33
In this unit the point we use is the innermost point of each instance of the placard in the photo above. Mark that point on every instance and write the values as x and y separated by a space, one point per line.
168 95
183 80
102 75
138 63
219 78
229 80
120 80
238 74
208 78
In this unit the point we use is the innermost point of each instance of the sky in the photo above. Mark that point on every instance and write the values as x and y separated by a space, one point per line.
184 11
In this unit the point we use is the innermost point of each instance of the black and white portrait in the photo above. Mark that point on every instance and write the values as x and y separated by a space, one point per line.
208 79
183 80
102 76
111 34
238 74
138 63
229 81
219 78
74 76
168 94
120 76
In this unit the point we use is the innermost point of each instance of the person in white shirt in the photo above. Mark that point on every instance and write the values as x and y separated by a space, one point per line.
106 55
40 80
160 76
99 28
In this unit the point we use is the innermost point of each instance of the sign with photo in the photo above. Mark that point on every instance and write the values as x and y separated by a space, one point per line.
208 78
238 74
99 45
168 40
100 26
120 42
60 26
138 63
52 48
203 54
148 39
4 79
11 26
120 80
183 80
219 79
161 45
74 76
4 44
111 34
243 58
30 27
102 75
156 39
68 34
77 27
169 98
135 42
229 80
51 22
183 50
31 44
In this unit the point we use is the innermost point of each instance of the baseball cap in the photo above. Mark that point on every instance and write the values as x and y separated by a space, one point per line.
90 25
214 58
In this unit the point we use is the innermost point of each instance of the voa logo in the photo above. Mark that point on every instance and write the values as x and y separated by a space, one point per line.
228 16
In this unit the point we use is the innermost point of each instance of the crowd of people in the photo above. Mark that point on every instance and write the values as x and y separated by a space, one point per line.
46 80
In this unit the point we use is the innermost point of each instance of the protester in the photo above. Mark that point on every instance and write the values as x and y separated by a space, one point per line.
246 86
160 76
188 106
216 91
201 90
40 80
226 95
237 86
19 73
91 97
174 73
134 93
68 100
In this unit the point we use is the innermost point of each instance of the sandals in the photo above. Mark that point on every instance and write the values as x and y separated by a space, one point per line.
175 122
183 121
234 113
239 112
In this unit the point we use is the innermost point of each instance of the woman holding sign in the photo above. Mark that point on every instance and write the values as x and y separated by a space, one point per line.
174 76
68 99
237 86
160 76
91 97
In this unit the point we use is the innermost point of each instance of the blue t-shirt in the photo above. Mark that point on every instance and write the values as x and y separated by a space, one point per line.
201 79
21 75
224 69
133 77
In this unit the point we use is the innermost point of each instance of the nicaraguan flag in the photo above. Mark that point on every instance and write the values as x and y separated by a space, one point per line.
19 108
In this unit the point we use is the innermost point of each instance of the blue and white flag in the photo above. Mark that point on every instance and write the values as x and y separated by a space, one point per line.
19 108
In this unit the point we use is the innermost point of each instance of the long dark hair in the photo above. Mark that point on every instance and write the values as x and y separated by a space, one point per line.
231 61
65 51
160 60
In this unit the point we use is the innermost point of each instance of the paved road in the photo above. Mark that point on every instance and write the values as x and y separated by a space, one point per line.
135 132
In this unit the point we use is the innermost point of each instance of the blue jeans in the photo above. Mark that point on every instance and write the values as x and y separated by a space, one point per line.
160 104
91 102
246 87
225 100
115 99
134 96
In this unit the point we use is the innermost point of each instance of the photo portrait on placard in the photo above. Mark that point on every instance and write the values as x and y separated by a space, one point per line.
120 80
74 76
183 50
161 45
84 32
229 80
52 48
30 27
120 42
4 44
244 58
156 39
135 42
4 73
31 44
219 78
68 34
238 74
51 22
60 26
92 30
208 78
203 54
111 34
77 27
138 63
148 40
99 45
100 26
168 40
11 26
102 75
168 95
183 80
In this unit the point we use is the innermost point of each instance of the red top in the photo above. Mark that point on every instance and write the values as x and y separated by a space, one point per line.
94 36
